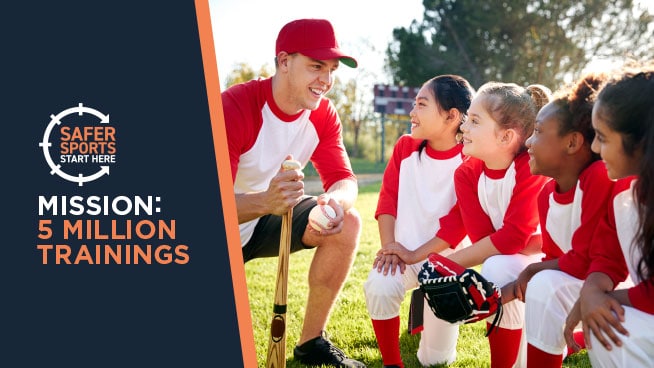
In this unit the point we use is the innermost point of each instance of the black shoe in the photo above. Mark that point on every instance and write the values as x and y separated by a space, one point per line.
321 351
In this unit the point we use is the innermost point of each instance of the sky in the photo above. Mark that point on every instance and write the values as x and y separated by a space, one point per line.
246 30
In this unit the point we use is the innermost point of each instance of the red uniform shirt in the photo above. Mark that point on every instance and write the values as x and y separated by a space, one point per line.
569 220
614 243
501 204
418 190
260 135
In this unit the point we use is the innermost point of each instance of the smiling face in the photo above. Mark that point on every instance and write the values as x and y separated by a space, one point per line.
546 147
608 144
305 81
480 138
428 120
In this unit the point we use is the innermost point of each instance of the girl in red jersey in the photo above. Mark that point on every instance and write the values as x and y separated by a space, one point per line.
570 208
417 207
496 196
618 323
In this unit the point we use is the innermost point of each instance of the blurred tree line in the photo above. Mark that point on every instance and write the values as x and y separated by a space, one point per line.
521 41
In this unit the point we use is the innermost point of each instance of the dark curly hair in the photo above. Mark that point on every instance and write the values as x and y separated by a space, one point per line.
575 106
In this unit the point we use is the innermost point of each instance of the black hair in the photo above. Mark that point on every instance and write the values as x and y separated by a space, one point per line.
627 104
451 92
575 104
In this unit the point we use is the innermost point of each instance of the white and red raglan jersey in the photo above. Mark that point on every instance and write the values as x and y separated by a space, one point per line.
614 243
569 220
502 204
260 136
418 190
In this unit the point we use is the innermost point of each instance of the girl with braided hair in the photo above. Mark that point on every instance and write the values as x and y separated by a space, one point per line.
496 196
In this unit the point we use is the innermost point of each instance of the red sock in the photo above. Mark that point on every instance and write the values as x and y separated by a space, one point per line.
579 339
387 332
540 359
504 346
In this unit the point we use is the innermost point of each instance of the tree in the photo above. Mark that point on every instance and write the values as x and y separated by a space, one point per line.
243 72
353 109
522 41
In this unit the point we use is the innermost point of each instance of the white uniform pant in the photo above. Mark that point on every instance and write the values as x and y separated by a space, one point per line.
637 350
551 294
384 296
501 270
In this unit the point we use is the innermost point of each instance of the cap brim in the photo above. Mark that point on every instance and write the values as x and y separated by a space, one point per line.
327 54
349 62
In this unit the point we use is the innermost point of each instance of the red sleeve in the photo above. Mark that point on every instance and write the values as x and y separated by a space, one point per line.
550 248
521 218
330 157
388 194
641 296
597 188
451 227
242 111
477 224
605 251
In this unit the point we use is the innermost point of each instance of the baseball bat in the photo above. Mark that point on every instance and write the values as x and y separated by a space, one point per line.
277 342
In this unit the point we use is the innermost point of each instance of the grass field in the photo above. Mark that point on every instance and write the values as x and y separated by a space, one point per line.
360 166
350 326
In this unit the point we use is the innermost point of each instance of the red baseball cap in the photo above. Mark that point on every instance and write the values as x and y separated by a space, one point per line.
314 38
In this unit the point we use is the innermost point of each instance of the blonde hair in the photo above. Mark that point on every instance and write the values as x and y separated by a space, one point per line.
514 107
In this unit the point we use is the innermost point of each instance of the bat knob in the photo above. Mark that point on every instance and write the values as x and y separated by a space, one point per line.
291 165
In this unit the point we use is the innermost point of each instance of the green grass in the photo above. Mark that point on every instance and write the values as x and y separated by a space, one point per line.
349 325
360 166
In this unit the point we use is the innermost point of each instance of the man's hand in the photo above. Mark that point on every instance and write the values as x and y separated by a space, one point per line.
336 223
285 190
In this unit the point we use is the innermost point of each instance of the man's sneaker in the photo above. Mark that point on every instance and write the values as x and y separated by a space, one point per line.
321 351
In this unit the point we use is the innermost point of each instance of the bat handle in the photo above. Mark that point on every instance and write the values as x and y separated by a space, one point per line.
277 344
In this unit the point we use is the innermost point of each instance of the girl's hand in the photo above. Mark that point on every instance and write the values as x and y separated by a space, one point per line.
520 287
570 324
508 292
602 315
388 262
407 256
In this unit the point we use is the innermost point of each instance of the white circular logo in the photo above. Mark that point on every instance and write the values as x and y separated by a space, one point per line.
87 142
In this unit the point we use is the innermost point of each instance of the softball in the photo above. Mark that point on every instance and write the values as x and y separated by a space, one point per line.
320 216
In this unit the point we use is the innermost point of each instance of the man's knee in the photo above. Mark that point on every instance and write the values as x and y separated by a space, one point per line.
352 220
346 239
352 224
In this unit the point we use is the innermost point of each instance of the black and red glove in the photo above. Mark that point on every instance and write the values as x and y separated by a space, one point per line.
457 294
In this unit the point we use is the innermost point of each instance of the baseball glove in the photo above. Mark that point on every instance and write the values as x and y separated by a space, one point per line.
457 294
